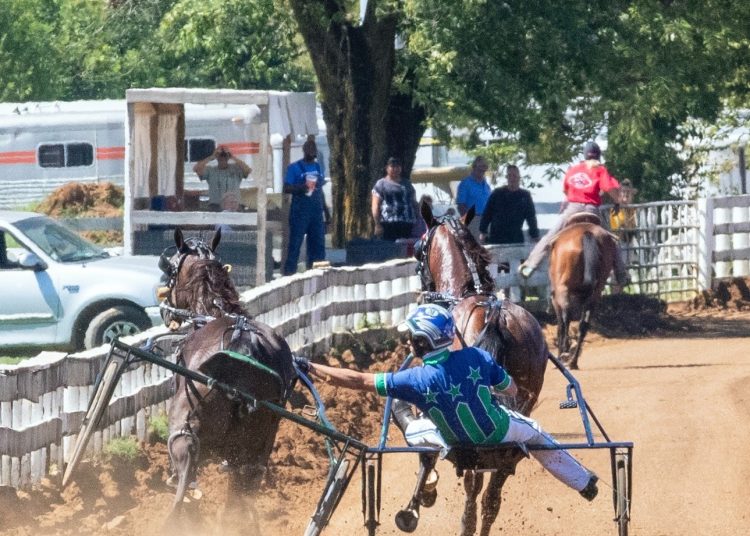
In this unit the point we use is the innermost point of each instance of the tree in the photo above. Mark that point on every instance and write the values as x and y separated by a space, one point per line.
541 76
354 64
30 67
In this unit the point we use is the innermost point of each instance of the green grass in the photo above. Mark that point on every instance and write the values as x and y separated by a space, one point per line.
158 428
124 449
11 360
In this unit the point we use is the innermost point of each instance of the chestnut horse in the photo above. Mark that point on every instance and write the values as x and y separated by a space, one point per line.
453 268
581 258
202 420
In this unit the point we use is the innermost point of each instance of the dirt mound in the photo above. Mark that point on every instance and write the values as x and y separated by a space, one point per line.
76 199
87 200
734 293
632 315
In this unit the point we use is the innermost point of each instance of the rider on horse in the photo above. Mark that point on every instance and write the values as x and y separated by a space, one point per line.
455 390
582 185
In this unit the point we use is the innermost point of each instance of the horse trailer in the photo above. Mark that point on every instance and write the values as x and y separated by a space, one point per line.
44 145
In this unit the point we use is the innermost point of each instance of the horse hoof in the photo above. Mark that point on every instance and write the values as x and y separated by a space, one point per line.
407 520
565 358
428 498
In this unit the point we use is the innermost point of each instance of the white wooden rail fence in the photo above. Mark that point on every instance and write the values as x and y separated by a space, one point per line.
673 250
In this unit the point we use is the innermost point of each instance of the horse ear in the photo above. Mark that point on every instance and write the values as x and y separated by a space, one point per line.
179 239
216 240
426 210
466 220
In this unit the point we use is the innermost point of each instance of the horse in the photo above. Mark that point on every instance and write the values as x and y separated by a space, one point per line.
453 267
582 256
203 420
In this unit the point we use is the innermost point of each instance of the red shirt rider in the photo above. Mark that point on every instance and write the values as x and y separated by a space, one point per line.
583 182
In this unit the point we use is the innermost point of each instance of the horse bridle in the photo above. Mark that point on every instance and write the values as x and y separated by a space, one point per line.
430 295
422 254
170 264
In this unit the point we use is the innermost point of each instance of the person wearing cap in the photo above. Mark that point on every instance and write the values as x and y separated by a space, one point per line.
582 185
308 212
456 390
393 204
223 178
473 191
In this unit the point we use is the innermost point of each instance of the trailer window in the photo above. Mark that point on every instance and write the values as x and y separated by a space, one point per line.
52 155
198 148
79 154
56 155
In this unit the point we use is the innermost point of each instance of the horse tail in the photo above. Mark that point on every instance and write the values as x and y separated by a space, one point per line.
591 260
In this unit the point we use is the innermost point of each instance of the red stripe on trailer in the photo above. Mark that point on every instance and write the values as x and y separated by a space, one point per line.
110 153
249 147
18 157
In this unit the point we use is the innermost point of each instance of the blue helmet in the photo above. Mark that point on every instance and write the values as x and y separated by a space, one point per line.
432 322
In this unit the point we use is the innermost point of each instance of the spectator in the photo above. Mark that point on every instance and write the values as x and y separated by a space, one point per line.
507 208
394 204
222 178
304 180
473 191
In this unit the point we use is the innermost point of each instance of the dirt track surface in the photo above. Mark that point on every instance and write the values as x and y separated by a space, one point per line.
682 397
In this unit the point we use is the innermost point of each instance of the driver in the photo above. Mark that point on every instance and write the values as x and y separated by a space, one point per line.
456 389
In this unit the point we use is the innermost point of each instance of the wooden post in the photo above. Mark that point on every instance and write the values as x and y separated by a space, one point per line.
262 181
705 243
286 150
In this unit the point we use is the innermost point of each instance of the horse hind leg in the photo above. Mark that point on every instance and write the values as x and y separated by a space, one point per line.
491 501
583 328
473 482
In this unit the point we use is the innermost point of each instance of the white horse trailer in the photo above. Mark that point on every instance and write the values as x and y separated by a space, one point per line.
44 145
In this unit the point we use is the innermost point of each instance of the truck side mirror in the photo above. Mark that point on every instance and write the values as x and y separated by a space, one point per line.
30 261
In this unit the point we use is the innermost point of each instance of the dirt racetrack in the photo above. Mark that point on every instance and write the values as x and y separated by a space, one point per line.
681 395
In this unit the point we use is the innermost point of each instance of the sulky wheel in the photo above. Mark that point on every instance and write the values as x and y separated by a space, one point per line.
407 520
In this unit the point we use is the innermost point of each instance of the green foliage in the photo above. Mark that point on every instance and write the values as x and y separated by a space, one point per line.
543 77
86 49
122 449
158 428
30 66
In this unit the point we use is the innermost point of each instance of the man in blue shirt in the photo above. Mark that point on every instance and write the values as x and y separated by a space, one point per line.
473 191
304 180
455 390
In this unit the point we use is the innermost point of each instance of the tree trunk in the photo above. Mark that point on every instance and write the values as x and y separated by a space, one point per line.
354 66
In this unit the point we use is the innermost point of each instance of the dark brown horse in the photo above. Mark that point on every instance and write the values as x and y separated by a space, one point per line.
203 421
453 266
581 258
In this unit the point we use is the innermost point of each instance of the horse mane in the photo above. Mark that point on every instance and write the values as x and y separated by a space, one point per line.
206 281
481 258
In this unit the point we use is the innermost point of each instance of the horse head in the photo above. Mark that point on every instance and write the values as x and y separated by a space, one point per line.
450 258
197 282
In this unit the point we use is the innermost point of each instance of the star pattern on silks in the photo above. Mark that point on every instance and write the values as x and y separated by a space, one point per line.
430 397
455 391
474 375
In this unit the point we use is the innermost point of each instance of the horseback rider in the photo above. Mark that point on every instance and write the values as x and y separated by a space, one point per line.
456 389
582 185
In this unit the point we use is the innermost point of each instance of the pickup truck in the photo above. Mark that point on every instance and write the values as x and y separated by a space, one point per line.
57 289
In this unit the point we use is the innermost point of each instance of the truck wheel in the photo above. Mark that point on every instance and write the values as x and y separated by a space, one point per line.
118 321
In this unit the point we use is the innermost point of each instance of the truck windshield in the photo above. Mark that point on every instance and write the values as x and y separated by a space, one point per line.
59 242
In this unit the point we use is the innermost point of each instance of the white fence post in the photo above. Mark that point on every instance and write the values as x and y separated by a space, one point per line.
740 240
723 241
705 242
